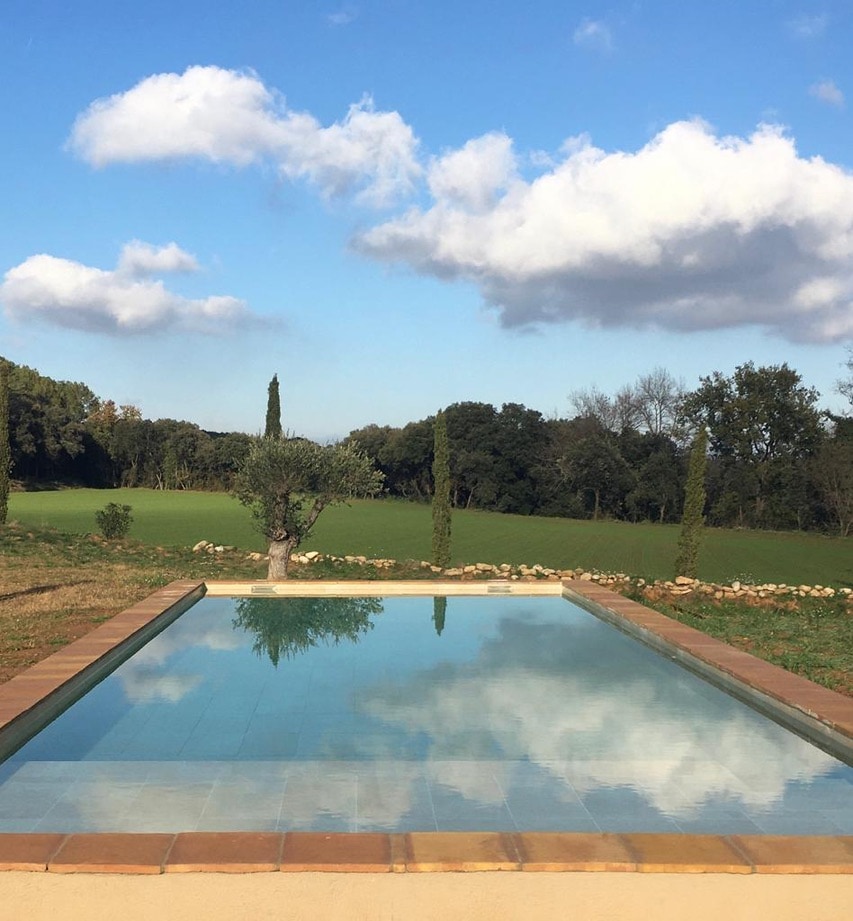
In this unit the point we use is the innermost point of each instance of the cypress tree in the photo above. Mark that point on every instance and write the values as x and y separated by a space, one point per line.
439 612
273 424
692 520
441 494
5 449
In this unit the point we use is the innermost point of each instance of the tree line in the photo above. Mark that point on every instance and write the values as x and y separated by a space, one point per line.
774 459
61 432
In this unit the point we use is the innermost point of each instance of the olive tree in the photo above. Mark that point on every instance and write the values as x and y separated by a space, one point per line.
287 482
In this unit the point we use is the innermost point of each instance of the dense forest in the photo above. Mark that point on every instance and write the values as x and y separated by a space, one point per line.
62 433
776 460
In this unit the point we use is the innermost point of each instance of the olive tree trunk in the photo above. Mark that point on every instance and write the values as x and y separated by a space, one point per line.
279 553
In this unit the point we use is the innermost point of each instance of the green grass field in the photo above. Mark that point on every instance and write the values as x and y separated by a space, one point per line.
401 530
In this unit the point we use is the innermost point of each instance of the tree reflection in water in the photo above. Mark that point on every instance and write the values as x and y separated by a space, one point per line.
288 627
439 612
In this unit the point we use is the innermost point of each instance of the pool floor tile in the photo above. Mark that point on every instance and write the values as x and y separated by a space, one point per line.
560 818
456 814
394 803
725 823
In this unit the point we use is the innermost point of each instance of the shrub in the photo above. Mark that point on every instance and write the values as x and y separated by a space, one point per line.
114 520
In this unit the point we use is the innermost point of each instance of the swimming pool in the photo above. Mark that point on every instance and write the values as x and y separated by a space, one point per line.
414 714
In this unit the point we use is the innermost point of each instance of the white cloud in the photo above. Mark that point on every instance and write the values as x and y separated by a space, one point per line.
138 258
808 27
593 34
473 176
343 16
227 116
373 151
692 231
826 91
125 300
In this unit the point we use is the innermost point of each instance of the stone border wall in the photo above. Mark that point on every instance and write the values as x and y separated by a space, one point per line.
681 585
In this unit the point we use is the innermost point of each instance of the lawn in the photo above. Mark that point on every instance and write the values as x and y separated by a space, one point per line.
402 530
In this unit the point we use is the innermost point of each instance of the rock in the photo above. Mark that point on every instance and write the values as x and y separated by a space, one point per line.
311 555
685 580
735 586
201 545
585 577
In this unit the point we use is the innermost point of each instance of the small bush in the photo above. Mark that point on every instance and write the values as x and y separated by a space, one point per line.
114 520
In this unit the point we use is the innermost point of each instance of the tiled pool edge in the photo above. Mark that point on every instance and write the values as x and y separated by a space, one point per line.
821 715
423 852
417 852
46 687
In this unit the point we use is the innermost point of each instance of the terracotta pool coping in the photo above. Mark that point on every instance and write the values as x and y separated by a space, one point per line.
825 716
423 852
52 680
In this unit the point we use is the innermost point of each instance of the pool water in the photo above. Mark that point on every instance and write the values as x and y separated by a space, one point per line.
414 714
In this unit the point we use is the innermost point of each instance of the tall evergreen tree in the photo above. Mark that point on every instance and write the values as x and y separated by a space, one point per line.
692 520
273 424
441 494
439 612
5 449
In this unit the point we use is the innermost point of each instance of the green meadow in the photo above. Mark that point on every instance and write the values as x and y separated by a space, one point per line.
402 530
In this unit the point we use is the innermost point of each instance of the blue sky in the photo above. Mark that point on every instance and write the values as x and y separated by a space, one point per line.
399 204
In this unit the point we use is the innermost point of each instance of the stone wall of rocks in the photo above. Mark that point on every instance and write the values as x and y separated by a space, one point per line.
682 585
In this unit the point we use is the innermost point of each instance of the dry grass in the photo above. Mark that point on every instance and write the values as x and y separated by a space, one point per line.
41 611
56 587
